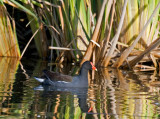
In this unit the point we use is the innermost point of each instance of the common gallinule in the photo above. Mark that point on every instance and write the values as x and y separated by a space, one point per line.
61 80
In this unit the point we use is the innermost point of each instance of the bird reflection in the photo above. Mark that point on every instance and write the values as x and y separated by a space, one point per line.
51 92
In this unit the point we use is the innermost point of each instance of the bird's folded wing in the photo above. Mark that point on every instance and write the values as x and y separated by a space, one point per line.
54 76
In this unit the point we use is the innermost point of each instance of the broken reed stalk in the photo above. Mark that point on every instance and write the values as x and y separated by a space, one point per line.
125 54
90 48
62 48
152 46
62 53
28 43
115 38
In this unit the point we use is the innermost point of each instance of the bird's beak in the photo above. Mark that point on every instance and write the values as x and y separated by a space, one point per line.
93 67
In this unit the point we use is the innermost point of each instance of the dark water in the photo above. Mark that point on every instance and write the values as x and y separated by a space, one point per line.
112 94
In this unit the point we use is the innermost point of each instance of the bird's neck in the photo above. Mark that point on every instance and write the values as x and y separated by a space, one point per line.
83 73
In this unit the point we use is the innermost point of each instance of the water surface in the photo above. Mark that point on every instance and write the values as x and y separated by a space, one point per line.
112 94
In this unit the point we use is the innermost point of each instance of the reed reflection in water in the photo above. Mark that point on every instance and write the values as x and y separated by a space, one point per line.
114 94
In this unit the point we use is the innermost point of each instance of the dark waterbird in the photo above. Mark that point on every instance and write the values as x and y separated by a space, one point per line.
61 80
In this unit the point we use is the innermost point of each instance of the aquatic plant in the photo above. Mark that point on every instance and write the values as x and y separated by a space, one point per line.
109 32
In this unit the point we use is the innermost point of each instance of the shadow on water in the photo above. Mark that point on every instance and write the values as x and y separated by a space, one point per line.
114 94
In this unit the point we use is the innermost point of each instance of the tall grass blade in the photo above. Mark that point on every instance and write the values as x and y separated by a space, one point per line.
24 8
40 37
115 39
89 51
106 40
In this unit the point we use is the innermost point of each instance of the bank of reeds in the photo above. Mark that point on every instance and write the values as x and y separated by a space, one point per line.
8 40
121 28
